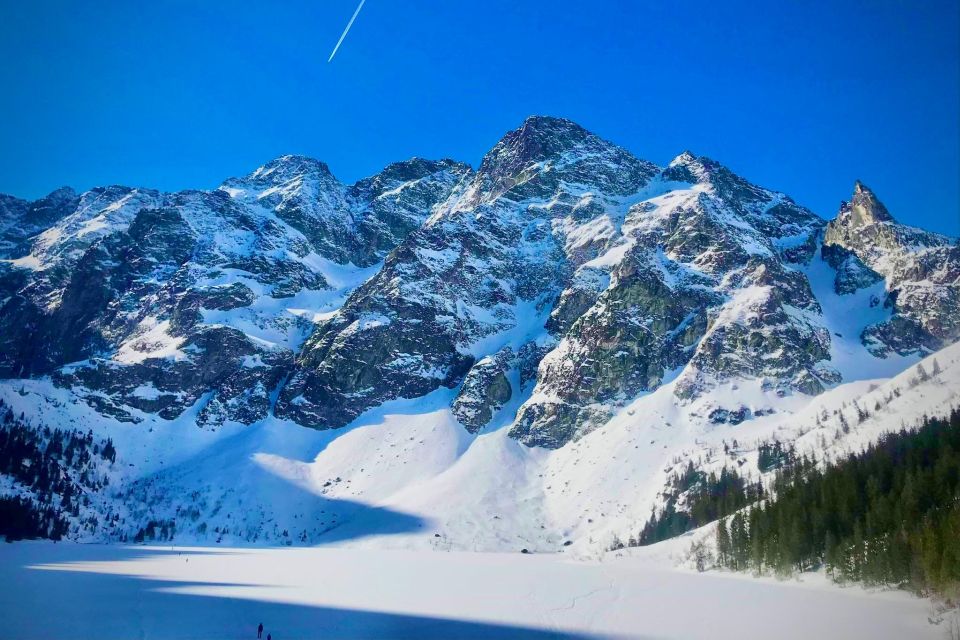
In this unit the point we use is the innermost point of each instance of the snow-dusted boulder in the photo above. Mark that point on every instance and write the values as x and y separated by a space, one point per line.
485 390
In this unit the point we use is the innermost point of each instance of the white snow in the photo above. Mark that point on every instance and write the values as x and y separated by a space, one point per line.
150 340
275 322
407 470
166 592
30 262
846 316
146 392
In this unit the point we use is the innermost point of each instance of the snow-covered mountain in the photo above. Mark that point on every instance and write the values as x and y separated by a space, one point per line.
512 356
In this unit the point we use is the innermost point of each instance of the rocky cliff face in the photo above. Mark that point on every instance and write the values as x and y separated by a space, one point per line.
475 278
485 390
21 221
564 275
702 256
921 271
148 302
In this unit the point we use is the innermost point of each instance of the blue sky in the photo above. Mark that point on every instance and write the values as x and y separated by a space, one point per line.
804 97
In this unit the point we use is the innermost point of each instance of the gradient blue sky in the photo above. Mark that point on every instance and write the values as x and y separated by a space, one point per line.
804 97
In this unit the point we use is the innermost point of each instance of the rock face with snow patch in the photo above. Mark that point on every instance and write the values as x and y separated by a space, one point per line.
20 221
149 302
485 390
921 270
490 259
595 275
703 256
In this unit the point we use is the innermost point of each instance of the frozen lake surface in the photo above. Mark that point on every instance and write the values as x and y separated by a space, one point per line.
93 591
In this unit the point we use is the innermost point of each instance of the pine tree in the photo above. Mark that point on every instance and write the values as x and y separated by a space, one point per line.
723 545
739 541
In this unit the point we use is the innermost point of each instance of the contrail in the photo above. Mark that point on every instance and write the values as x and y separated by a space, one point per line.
345 31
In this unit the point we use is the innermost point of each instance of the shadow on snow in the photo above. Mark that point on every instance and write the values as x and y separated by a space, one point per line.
46 594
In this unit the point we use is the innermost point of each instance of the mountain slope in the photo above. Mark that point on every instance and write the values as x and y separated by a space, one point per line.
156 301
509 357
473 280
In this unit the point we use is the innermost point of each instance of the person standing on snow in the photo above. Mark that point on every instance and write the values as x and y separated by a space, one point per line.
260 631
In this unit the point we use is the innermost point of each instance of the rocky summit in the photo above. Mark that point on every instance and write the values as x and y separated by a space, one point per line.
563 271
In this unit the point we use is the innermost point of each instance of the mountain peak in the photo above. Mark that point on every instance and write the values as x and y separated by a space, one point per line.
61 193
865 208
538 138
685 158
397 173
558 149
417 167
551 124
689 167
53 206
289 166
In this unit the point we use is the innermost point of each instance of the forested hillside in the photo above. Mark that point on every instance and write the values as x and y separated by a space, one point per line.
51 475
888 515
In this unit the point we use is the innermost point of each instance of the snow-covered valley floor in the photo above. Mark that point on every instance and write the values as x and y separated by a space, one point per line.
97 591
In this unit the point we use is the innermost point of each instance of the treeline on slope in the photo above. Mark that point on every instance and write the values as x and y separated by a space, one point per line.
48 474
888 515
707 497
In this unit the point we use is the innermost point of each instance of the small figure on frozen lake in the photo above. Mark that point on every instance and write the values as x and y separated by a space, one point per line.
260 631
